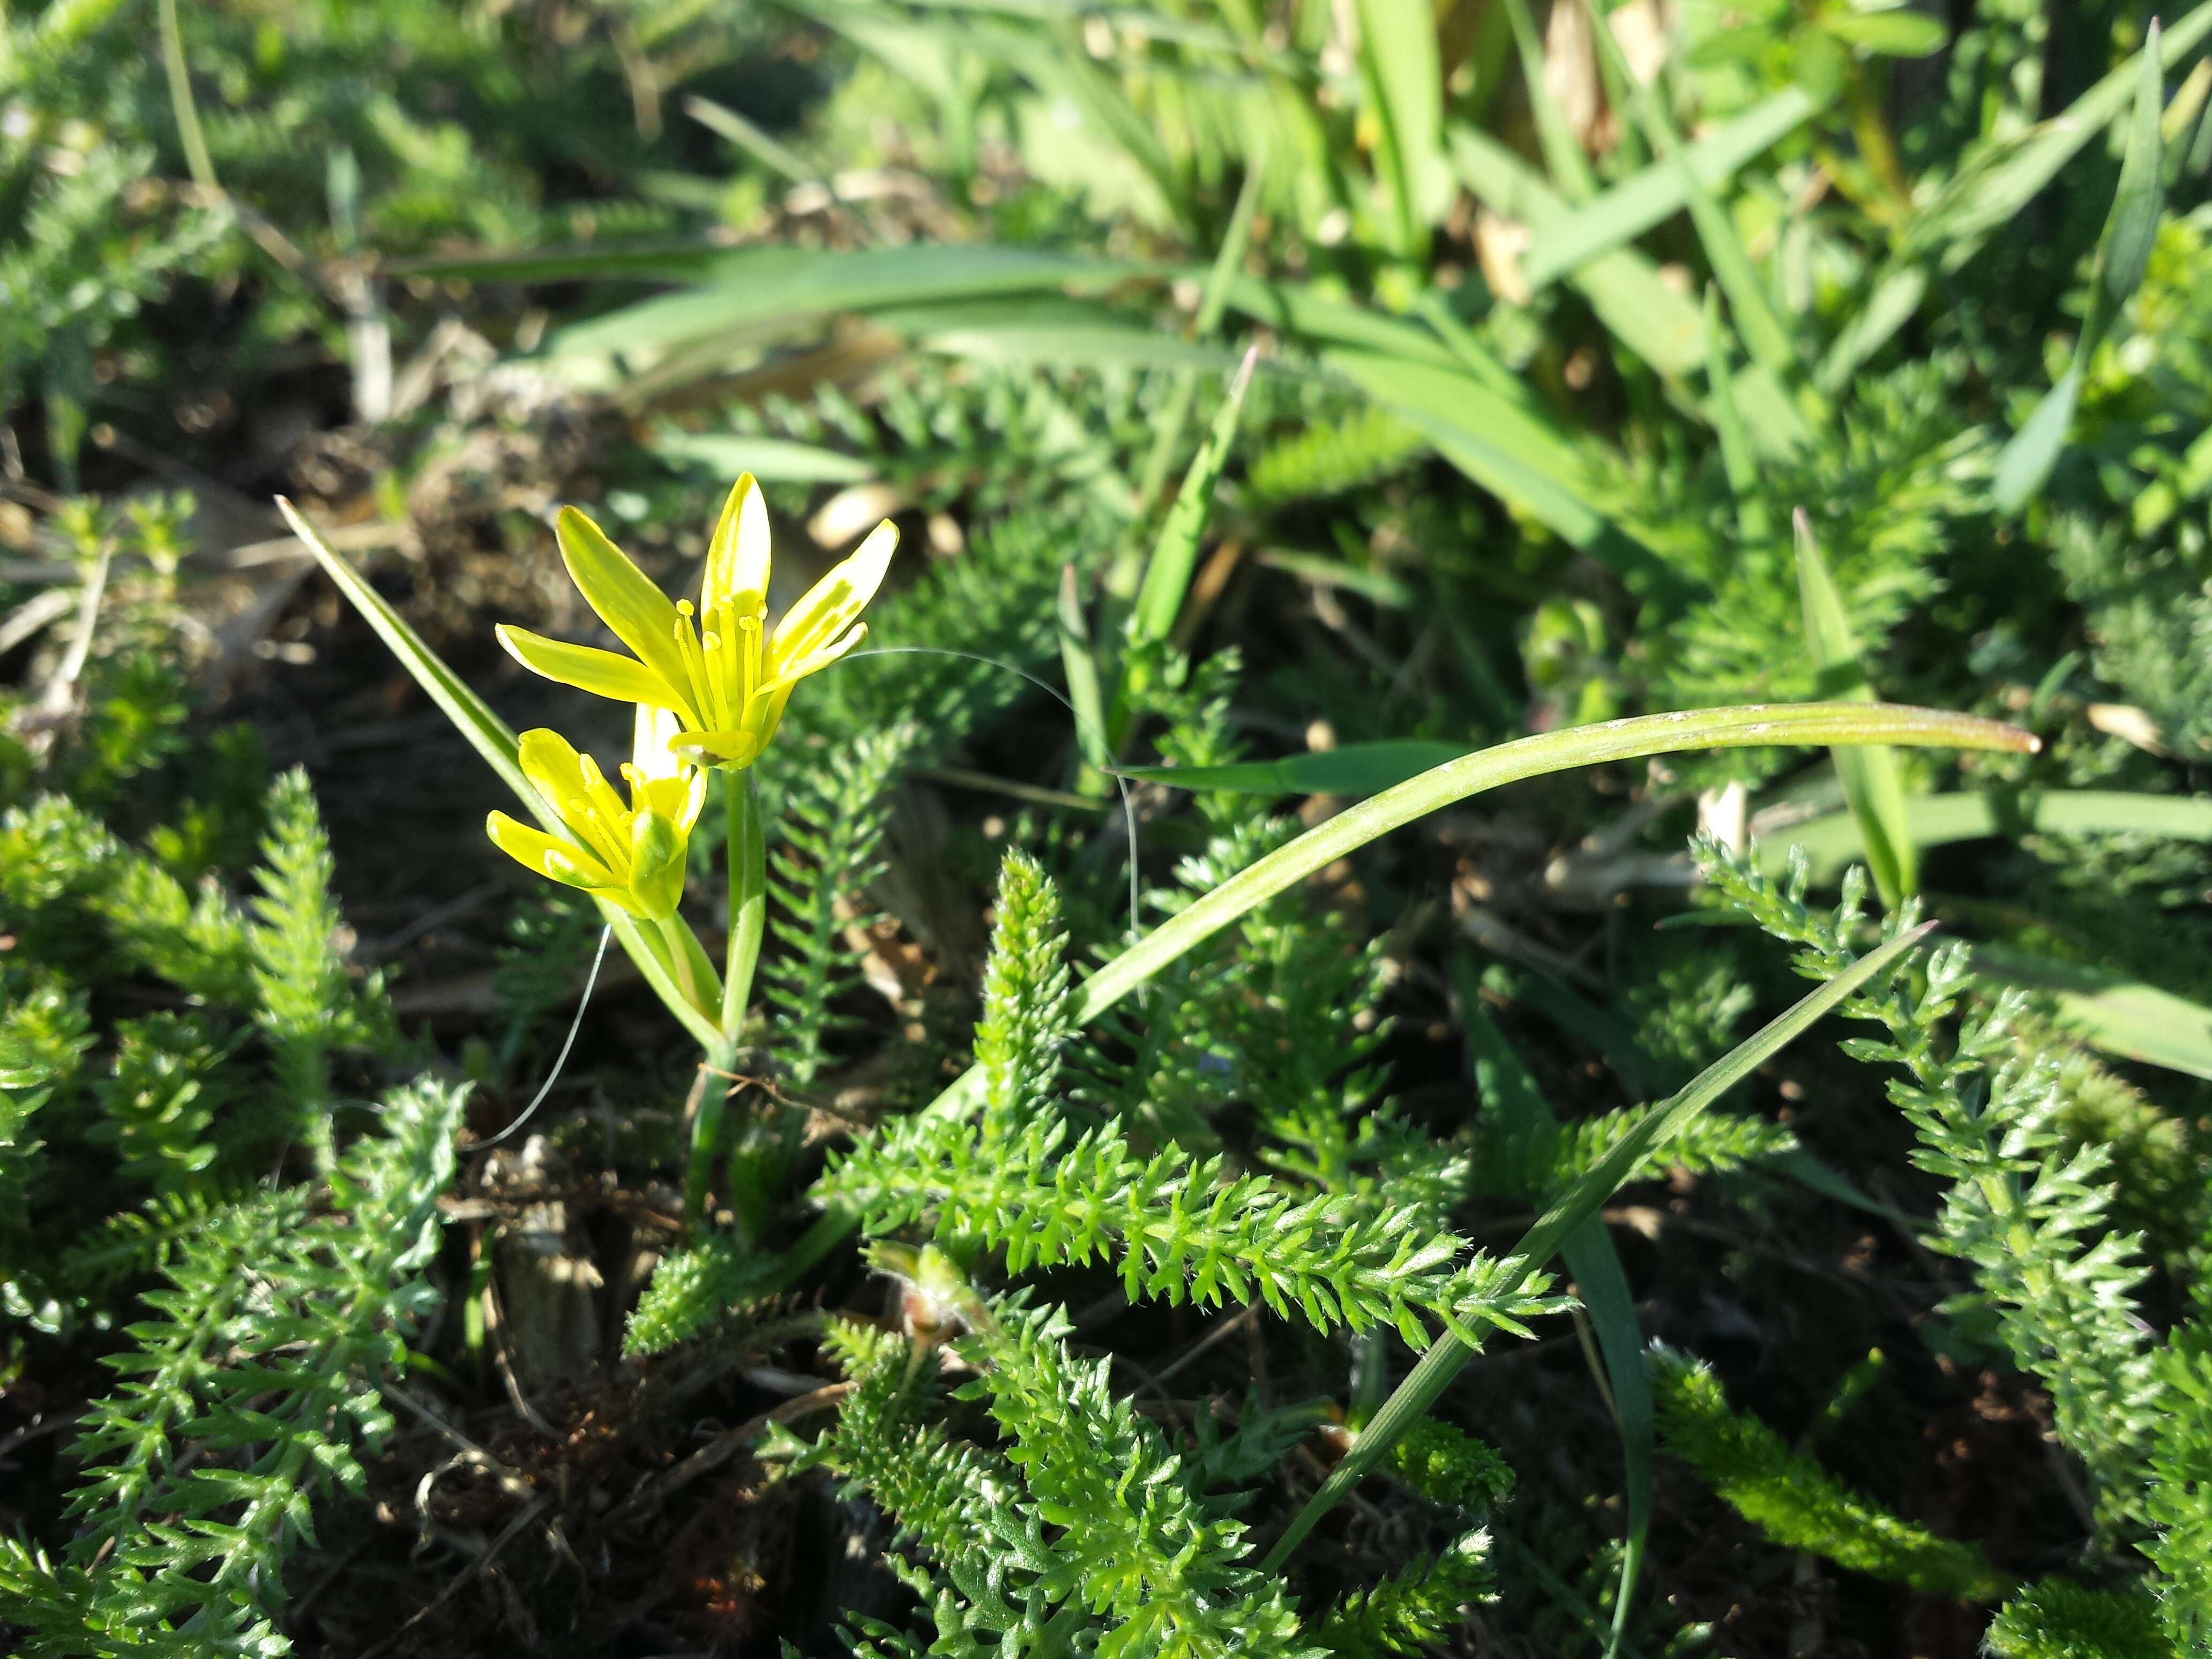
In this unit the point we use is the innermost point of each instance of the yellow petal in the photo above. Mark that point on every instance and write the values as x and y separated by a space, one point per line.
734 748
832 604
572 866
737 557
642 615
555 771
791 673
588 668
656 865
677 798
650 756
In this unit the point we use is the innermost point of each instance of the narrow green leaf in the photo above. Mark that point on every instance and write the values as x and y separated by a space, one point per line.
774 460
1404 79
1356 768
1228 265
1897 295
1081 664
1898 33
1761 329
1751 523
1510 451
2028 457
1623 211
1576 1206
1991 192
1872 783
2109 1010
1818 725
2122 254
489 737
1834 841
764 289
1563 152
1602 1284
1515 1104
1175 556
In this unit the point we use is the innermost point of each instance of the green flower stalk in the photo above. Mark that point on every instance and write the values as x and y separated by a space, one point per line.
726 675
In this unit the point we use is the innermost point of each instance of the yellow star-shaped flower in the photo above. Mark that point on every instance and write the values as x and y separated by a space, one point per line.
631 856
726 677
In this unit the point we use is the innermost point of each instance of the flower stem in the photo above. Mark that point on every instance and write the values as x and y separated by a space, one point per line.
747 847
747 895
680 963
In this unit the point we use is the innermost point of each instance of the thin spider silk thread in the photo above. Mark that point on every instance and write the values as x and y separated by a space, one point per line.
562 1059
1120 783
599 957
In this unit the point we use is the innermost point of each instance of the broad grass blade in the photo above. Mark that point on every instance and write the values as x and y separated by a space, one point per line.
1573 1208
2109 1010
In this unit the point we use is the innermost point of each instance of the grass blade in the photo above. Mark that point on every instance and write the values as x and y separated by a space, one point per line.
1625 210
1228 263
1819 724
1509 451
1356 768
1175 556
2108 1011
490 738
2122 253
1752 523
1987 196
1834 841
1568 1214
1756 321
1872 784
1398 63
772 460
1080 663
1602 1284
1512 1100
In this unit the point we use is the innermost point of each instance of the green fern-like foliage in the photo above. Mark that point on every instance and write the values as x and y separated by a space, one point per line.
1140 1549
980 1559
162 1098
2057 1619
1451 1468
244 1398
693 1290
1025 1025
2025 1211
1796 1504
1415 1608
2180 1484
1331 457
832 832
1179 1230
306 1006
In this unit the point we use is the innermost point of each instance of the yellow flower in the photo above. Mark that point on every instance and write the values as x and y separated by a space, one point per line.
729 678
631 856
